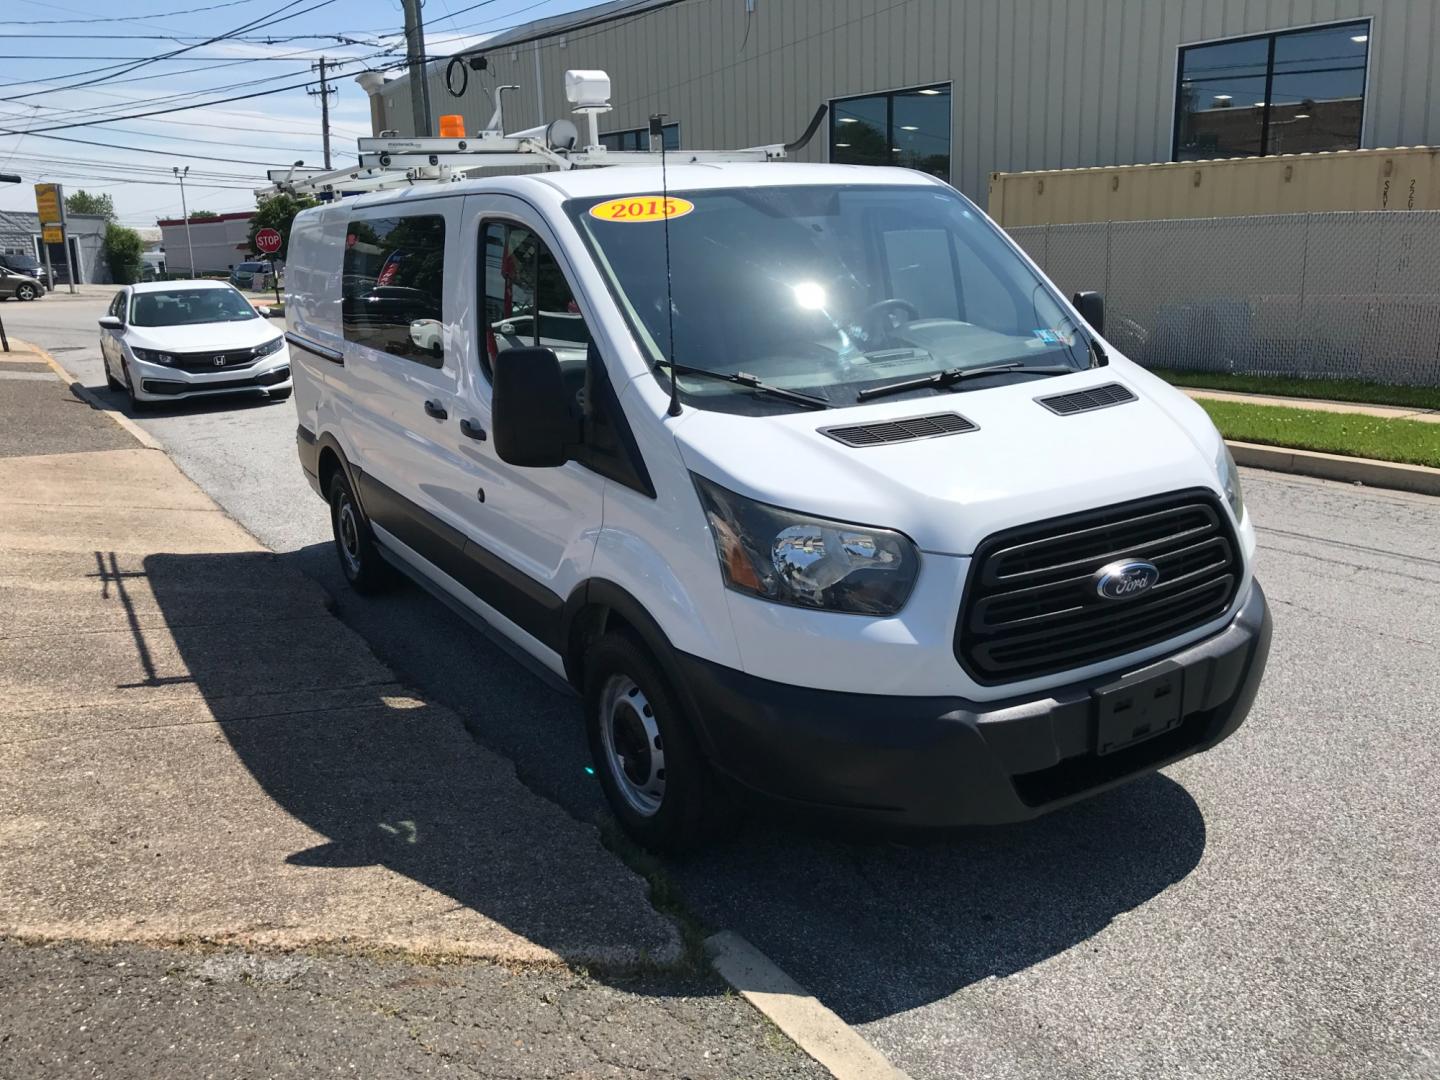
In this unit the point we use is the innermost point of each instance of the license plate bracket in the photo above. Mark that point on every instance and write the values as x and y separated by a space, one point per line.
1138 707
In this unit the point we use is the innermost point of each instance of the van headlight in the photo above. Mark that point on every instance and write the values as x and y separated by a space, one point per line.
806 561
1229 477
154 356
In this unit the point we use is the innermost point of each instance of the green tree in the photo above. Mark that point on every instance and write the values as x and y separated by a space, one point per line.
203 215
277 212
122 250
82 202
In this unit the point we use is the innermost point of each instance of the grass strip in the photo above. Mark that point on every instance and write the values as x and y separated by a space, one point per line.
1413 442
1367 393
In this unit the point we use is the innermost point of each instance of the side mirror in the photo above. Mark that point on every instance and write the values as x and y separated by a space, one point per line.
264 312
532 420
1091 306
110 322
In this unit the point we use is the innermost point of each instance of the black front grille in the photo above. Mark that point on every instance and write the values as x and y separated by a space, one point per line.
1031 603
906 429
230 359
253 382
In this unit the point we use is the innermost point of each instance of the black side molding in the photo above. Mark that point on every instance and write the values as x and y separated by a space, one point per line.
322 351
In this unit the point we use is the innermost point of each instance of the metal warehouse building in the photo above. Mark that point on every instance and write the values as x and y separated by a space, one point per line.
963 88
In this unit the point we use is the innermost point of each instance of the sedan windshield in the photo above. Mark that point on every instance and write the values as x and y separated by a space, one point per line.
831 291
185 307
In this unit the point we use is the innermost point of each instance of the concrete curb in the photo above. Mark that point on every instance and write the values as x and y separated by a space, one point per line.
134 430
810 1025
1380 474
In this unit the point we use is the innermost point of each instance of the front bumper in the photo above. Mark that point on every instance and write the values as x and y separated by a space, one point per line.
937 761
160 383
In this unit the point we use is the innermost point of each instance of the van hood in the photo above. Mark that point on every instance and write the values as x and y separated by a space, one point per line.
202 337
1022 464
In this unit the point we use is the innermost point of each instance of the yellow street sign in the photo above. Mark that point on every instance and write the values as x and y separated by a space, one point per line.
53 234
47 202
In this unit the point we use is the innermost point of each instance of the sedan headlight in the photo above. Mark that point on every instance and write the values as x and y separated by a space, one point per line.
812 562
1229 477
153 356
272 346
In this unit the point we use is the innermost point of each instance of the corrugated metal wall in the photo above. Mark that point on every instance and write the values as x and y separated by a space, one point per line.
1037 84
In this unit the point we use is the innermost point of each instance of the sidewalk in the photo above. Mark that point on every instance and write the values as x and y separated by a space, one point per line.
1388 412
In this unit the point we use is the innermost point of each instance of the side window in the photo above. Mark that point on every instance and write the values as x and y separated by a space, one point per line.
117 306
393 285
526 297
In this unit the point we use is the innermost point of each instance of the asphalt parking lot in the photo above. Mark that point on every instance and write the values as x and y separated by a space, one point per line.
1266 910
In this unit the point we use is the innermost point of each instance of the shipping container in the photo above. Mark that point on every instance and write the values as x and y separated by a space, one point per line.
1404 178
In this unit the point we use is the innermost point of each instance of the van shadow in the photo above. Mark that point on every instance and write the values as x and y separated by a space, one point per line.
873 924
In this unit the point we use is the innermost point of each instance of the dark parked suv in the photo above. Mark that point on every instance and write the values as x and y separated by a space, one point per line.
27 266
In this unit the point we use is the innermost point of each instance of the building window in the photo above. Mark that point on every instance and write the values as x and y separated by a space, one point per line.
909 128
639 138
392 289
1300 91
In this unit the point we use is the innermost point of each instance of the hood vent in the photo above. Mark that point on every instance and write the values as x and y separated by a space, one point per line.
884 432
1087 400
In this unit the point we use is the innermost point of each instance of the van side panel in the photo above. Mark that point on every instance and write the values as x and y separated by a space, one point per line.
679 586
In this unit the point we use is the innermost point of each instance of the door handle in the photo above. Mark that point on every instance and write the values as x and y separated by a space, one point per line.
472 430
435 409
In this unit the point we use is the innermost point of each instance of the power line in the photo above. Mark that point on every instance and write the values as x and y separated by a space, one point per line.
134 18
265 20
144 150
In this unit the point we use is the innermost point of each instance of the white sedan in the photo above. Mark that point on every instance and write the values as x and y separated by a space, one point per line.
166 340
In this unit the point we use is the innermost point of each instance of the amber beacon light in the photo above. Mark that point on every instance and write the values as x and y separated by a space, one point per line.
452 126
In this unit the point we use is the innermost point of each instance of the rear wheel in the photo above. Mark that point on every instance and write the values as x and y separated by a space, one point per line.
649 763
26 291
360 560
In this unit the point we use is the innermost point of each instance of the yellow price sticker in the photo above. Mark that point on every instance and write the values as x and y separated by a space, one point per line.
642 208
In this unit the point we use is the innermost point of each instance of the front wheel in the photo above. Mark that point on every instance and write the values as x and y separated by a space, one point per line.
110 380
26 292
650 766
136 405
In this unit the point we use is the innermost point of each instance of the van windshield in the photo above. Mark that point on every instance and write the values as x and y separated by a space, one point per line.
829 291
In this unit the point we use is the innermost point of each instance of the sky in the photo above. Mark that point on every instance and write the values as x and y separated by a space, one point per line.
66 67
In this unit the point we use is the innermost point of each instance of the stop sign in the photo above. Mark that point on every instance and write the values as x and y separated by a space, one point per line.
268 241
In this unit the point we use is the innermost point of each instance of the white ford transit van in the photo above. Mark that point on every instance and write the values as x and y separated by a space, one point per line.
802 476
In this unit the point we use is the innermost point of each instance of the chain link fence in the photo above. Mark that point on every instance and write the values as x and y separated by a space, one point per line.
1345 295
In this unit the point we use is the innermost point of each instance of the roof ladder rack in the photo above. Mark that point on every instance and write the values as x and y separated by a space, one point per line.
387 161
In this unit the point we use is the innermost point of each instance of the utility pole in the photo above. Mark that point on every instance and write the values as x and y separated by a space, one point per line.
419 84
324 95
180 175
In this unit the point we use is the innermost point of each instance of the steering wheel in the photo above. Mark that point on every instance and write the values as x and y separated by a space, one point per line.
885 316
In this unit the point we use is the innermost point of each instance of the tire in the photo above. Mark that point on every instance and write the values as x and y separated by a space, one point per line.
110 380
136 405
650 766
360 560
280 395
26 292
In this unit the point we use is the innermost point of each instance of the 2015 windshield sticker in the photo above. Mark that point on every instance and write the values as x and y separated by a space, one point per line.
642 208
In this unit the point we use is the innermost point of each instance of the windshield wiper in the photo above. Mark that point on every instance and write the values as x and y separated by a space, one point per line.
741 378
951 376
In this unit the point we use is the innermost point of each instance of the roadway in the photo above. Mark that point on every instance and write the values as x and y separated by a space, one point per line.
1265 910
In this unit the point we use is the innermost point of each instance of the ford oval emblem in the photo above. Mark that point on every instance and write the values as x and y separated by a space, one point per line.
1122 580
